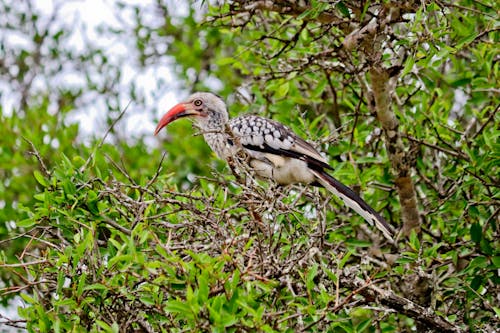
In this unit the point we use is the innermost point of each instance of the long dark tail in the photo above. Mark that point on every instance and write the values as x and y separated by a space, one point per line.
354 201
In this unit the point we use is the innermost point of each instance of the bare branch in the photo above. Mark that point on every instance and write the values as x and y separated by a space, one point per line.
400 304
35 153
110 128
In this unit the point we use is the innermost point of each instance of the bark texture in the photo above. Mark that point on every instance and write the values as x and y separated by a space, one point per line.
400 158
424 316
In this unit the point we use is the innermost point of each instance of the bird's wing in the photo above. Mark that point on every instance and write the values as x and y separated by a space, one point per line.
270 137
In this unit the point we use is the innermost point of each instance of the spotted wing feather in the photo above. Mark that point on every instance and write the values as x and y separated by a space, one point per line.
267 136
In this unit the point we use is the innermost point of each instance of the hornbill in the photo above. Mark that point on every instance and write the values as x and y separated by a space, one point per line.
274 151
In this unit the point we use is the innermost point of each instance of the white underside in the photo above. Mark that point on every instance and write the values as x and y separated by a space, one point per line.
293 171
283 170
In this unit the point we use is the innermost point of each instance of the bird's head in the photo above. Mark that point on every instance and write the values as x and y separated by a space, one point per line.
207 110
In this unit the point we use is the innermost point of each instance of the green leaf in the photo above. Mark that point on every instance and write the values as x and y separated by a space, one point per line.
203 288
478 262
405 260
175 306
66 302
233 283
81 284
40 196
69 187
363 326
226 61
331 275
466 40
311 274
103 325
409 64
96 286
343 9
115 328
476 232
40 178
78 162
486 247
344 259
26 223
28 298
304 14
477 281
283 89
414 241
127 258
358 242
496 262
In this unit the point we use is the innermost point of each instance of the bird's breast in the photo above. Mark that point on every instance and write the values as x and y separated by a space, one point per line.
221 144
281 169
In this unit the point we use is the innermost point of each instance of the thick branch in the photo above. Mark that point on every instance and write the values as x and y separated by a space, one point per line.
401 160
400 304
290 8
369 39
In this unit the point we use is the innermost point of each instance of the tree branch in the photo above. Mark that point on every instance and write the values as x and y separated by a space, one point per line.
401 160
402 305
290 8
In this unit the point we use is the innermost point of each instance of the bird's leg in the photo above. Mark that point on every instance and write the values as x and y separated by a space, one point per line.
232 165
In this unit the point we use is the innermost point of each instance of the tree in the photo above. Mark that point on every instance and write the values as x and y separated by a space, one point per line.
402 95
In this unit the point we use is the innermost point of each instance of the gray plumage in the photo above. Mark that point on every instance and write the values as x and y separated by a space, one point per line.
274 150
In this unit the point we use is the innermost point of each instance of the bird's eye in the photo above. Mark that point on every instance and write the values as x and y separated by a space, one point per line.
197 102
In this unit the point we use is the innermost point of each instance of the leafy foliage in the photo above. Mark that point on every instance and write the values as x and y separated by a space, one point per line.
115 236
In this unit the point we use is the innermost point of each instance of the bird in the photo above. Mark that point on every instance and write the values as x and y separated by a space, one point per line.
273 150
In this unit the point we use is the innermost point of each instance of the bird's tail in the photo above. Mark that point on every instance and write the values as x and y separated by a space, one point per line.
352 200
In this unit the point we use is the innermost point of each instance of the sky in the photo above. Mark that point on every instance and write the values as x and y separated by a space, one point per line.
93 13
157 83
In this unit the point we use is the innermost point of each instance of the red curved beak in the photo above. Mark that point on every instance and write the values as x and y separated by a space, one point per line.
178 111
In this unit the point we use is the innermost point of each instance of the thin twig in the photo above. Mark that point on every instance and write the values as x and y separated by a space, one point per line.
24 264
35 153
110 128
158 171
441 149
